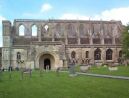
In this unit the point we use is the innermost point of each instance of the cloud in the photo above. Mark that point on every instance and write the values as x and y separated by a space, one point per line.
120 14
115 14
46 7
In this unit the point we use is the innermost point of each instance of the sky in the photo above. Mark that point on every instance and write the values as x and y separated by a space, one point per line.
64 9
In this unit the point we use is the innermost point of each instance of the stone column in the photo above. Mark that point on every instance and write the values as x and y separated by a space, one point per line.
91 42
39 33
91 56
104 55
115 55
102 40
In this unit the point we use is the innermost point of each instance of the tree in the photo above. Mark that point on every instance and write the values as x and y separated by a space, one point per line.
125 43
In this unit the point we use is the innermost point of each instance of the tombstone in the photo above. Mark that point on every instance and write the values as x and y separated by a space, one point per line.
72 67
84 68
26 71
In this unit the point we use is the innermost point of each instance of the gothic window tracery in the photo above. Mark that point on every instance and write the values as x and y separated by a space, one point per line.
21 30
18 56
34 30
81 30
97 54
71 32
109 54
58 31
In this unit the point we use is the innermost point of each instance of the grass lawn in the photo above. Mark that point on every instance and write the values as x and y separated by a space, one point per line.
63 86
122 70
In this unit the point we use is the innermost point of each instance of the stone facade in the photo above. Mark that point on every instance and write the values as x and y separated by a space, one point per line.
55 42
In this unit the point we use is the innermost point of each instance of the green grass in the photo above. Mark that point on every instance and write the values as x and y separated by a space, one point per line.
63 86
122 70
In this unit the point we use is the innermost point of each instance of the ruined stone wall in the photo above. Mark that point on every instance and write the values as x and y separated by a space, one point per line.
73 35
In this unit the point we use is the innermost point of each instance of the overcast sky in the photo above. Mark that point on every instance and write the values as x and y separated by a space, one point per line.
64 9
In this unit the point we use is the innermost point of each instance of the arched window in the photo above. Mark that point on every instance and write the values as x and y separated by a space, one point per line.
87 54
58 30
18 56
73 54
97 54
120 53
21 30
34 30
109 54
81 30
71 30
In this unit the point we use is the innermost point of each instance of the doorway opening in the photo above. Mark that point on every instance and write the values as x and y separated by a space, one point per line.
47 64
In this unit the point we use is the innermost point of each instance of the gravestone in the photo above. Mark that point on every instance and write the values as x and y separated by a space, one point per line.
72 67
26 71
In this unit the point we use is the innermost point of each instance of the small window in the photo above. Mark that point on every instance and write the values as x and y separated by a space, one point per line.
21 30
87 54
18 56
34 30
73 54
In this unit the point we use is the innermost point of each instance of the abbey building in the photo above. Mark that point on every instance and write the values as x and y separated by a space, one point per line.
38 43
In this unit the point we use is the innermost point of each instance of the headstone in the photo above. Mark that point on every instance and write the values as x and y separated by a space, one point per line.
84 68
72 67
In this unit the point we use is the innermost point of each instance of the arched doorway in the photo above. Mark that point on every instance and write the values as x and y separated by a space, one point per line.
46 61
47 64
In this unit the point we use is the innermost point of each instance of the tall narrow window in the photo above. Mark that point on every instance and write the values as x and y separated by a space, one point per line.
21 30
97 54
87 54
18 56
71 30
120 53
58 31
73 54
81 30
34 30
109 54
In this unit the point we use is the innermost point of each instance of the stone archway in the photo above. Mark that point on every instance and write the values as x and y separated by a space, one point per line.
46 61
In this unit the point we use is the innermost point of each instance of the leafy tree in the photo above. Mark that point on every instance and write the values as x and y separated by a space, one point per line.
125 42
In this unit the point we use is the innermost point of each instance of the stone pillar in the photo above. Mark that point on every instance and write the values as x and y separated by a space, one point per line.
78 40
115 55
104 55
66 38
39 33
91 56
7 44
91 41
102 40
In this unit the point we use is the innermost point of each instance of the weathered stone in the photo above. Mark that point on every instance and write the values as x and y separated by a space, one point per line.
57 39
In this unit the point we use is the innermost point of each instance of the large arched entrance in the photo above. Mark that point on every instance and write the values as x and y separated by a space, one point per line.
46 61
